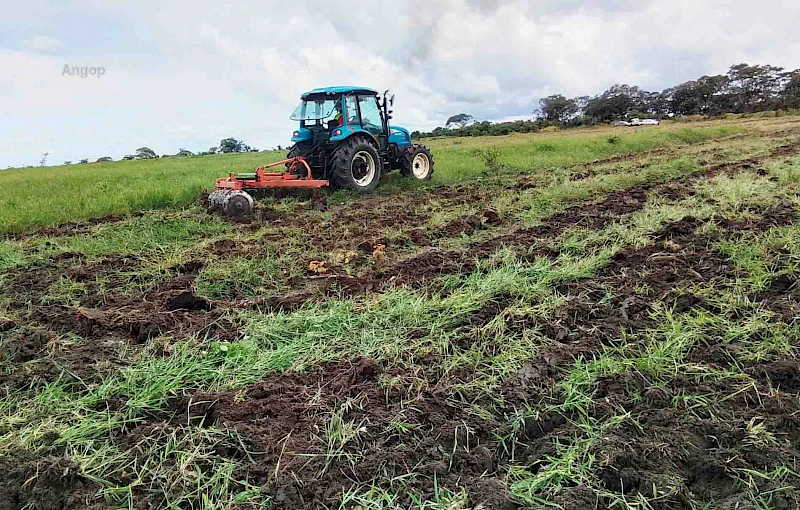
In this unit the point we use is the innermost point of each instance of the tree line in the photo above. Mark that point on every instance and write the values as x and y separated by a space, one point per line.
226 146
743 89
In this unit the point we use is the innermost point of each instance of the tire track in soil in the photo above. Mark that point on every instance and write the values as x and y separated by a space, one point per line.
532 242
367 203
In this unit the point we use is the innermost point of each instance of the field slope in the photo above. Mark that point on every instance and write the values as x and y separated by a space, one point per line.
579 320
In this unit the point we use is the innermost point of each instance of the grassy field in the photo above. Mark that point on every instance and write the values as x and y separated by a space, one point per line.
598 319
36 197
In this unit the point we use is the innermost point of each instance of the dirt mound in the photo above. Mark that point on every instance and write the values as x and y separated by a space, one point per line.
337 427
24 345
463 225
783 375
43 483
187 300
419 237
7 324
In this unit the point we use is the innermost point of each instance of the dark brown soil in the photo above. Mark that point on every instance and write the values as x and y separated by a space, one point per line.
169 308
37 357
687 453
43 483
690 452
286 417
73 228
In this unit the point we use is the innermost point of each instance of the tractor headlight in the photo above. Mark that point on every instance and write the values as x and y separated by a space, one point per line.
337 132
296 134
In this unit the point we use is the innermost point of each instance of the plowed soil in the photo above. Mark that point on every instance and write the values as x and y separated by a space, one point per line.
309 437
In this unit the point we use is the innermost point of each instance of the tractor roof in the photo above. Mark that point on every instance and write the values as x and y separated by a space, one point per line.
339 90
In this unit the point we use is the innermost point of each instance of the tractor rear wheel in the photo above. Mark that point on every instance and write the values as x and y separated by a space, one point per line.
417 161
356 166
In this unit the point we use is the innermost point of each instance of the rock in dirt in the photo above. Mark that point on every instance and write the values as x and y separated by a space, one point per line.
187 300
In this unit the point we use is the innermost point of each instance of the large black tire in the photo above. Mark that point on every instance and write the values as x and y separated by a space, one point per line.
356 166
417 161
298 149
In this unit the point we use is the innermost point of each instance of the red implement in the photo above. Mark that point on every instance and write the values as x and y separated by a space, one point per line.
291 178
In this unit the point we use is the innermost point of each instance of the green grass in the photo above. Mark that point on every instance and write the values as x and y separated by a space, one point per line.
421 337
36 197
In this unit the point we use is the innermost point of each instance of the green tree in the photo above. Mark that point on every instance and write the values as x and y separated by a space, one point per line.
145 153
458 121
557 108
232 145
755 88
791 93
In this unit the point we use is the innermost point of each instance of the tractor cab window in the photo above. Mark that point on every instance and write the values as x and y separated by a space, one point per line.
371 118
311 111
351 103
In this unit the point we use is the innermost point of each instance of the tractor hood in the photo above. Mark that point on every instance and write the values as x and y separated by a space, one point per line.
400 136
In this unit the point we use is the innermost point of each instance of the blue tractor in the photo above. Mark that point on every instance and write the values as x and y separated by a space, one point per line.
344 141
345 137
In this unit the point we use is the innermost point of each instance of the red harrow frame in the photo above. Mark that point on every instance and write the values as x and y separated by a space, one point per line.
231 198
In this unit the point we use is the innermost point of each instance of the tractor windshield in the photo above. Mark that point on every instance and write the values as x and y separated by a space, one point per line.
315 109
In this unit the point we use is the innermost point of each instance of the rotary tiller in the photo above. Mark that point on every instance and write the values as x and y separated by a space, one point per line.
231 196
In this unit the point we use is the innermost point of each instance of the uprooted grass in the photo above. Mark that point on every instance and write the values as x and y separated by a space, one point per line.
440 334
397 325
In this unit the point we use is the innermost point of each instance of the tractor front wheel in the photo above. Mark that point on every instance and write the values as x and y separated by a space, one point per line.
417 161
356 166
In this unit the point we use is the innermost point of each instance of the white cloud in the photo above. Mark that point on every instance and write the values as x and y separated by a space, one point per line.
43 43
187 73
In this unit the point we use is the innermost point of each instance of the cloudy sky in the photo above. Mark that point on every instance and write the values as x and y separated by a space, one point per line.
185 74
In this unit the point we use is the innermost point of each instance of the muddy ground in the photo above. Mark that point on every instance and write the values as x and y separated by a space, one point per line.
418 433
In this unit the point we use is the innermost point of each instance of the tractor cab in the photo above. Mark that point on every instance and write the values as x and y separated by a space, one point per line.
336 113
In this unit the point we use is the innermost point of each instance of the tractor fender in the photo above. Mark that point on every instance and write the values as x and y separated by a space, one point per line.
350 131
359 134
